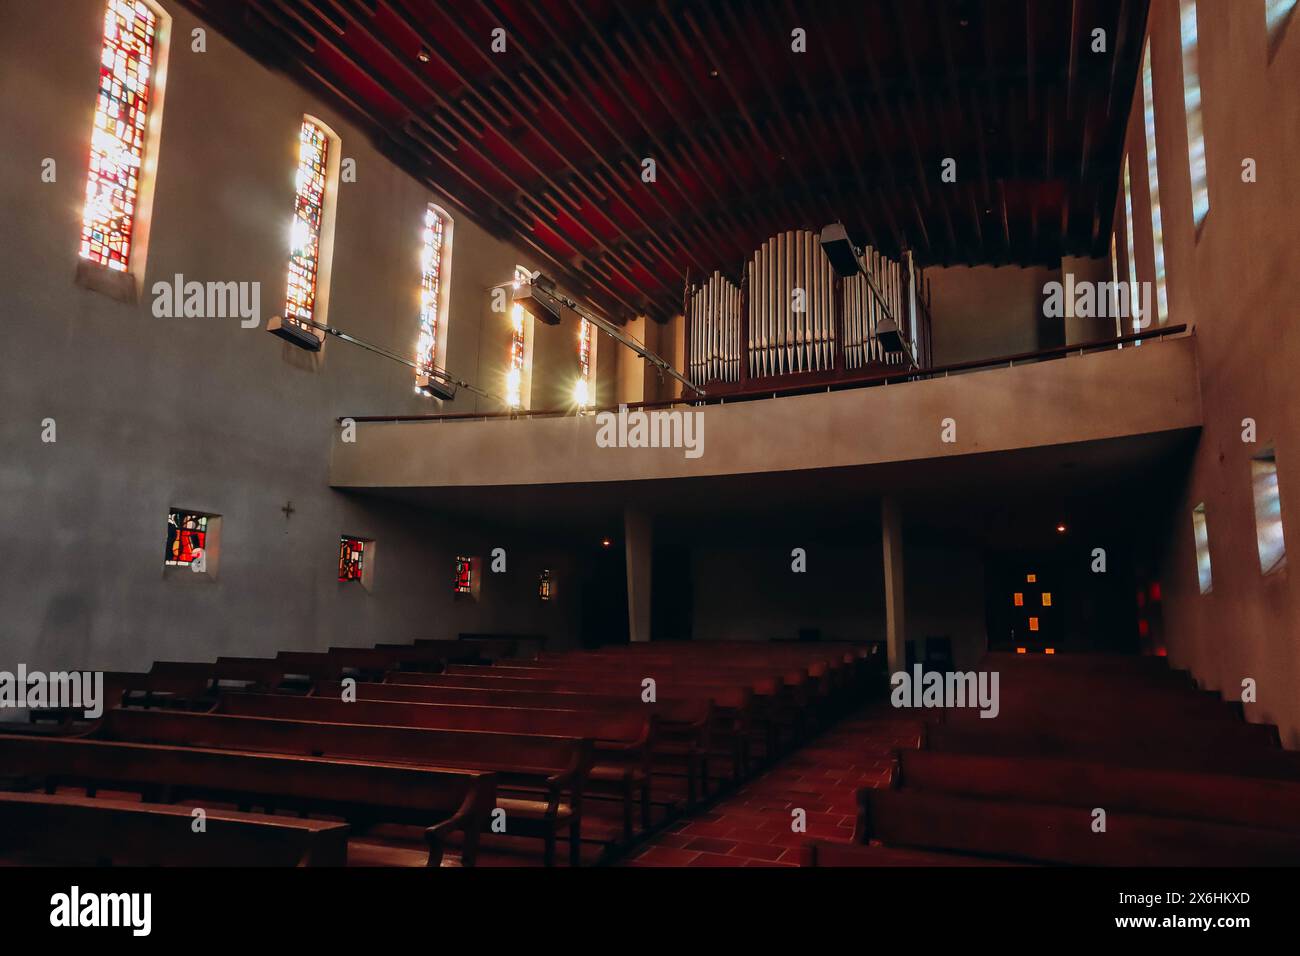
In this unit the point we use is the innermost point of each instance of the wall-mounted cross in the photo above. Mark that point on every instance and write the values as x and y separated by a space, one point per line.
288 510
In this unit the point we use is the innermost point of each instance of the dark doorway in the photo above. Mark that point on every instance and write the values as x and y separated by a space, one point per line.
671 594
604 595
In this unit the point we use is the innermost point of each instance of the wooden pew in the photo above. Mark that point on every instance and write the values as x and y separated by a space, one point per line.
443 801
741 719
781 699
469 650
681 745
1248 749
546 774
1213 797
623 742
1046 833
67 830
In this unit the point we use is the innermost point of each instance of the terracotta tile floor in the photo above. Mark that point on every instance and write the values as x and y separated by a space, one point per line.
752 825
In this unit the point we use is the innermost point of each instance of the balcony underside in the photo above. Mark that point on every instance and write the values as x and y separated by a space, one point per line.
1116 394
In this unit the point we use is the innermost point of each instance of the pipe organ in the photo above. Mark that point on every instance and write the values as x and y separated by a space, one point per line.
791 306
868 298
715 334
792 315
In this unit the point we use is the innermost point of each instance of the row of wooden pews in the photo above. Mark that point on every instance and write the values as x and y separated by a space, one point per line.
401 735
1093 760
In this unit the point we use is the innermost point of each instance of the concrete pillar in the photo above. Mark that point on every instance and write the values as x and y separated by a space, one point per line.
891 535
638 541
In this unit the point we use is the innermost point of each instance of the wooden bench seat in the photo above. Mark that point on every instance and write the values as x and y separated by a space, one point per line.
741 721
1188 746
1046 833
623 742
547 774
684 725
70 830
1214 797
442 801
781 701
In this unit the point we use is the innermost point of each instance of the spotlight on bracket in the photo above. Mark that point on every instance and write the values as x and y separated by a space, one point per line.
294 334
839 250
431 380
543 308
890 338
432 386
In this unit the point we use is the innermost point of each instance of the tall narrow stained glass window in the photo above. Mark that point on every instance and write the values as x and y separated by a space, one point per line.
1201 539
1114 284
308 215
187 535
582 390
1268 512
515 371
1192 106
431 283
1153 183
464 581
352 558
544 585
1134 298
1275 15
117 141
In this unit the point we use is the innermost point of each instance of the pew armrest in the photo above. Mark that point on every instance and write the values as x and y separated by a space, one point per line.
473 814
862 824
573 778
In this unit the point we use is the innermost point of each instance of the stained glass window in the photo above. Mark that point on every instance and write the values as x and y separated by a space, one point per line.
117 140
187 535
582 390
544 585
352 557
1275 14
1019 599
1133 298
1114 285
1268 512
464 583
1201 537
1153 184
515 372
305 233
431 272
1192 106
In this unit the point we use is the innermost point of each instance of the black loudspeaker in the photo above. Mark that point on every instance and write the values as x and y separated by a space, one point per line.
543 311
890 338
839 250
432 386
294 334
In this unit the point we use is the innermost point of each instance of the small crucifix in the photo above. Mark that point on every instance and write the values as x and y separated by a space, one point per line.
288 510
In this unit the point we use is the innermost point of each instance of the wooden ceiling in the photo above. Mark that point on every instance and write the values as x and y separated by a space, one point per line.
544 143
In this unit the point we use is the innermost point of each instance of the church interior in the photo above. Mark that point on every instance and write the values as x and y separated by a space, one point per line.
605 434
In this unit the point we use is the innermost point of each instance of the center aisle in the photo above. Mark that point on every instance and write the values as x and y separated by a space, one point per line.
752 826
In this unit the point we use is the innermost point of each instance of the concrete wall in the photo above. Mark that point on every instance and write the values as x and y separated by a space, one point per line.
986 311
1235 283
201 413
